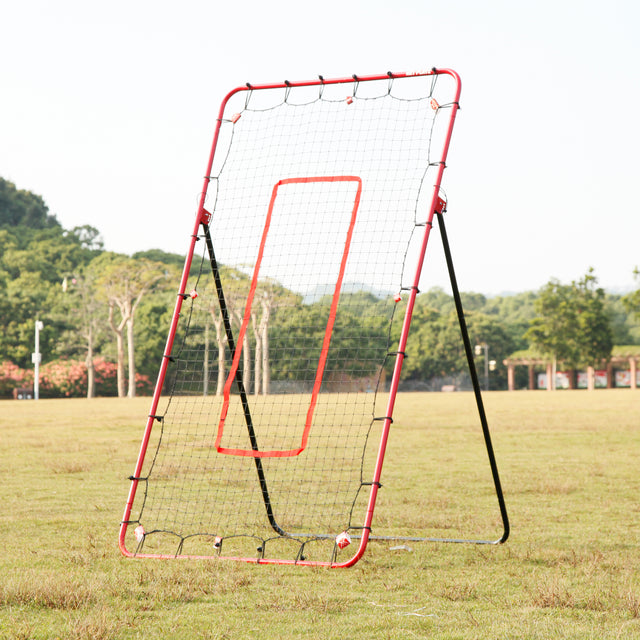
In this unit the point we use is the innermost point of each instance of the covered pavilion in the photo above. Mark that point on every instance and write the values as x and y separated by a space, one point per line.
623 358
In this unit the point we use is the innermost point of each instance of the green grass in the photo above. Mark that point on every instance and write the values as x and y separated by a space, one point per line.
569 463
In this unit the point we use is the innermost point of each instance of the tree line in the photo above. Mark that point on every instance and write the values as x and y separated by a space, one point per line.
101 308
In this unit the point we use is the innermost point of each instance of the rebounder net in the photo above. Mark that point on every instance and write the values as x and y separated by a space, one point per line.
270 417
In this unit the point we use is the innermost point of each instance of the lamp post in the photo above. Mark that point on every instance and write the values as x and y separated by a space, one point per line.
480 349
36 358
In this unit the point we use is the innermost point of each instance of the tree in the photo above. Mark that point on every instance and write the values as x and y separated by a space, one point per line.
572 326
88 238
30 277
153 319
82 305
358 339
235 290
221 340
495 333
122 283
265 299
631 301
269 297
236 296
23 208
515 312
433 346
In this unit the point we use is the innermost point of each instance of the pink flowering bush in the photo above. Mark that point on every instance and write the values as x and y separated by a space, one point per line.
63 379
67 379
144 386
12 377
106 377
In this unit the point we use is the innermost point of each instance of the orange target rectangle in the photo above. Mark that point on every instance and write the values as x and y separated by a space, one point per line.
262 250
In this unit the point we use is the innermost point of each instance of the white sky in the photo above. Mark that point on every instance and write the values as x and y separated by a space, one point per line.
107 111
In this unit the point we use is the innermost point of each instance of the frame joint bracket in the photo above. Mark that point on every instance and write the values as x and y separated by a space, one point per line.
440 206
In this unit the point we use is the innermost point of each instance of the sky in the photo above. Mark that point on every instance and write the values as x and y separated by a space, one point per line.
107 111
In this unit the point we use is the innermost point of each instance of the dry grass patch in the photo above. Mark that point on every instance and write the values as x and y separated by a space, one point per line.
71 466
48 590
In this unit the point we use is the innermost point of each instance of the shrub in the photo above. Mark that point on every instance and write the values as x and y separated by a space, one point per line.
11 377
63 379
144 386
67 379
106 377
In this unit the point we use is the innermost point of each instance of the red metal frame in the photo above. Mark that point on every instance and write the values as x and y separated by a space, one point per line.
202 216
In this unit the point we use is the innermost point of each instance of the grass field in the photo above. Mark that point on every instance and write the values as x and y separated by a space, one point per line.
569 463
